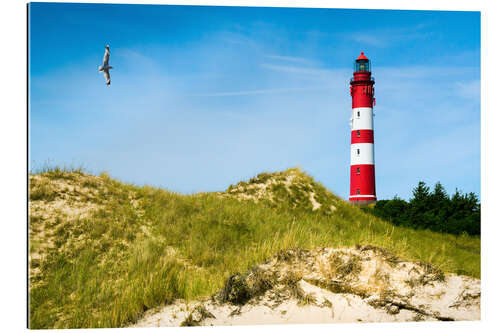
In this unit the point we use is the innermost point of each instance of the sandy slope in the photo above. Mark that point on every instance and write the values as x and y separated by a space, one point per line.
364 284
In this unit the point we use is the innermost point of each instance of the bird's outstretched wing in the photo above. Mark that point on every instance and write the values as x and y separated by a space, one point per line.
107 77
105 60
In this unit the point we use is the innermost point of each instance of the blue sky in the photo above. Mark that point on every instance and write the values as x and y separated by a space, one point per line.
202 97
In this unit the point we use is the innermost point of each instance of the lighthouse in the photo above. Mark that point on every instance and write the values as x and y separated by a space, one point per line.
362 190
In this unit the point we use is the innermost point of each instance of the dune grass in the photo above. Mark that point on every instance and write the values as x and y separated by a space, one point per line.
144 246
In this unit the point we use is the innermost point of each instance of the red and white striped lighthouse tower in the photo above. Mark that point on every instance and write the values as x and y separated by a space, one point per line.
362 150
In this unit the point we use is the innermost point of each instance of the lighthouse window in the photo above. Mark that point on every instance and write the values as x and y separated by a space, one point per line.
357 133
358 114
362 65
357 171
358 151
357 191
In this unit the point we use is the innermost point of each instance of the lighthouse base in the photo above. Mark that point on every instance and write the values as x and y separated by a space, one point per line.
362 201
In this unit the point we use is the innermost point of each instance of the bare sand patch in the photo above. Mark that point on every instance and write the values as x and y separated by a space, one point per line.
326 285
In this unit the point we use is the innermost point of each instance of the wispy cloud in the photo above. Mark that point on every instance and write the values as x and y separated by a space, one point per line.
422 71
260 92
237 38
386 37
470 89
368 39
290 59
297 69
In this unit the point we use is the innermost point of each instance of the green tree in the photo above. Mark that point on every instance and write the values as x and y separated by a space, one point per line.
418 215
433 210
394 210
440 208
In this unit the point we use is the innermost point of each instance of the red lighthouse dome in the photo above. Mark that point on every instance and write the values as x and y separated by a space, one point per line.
362 56
362 189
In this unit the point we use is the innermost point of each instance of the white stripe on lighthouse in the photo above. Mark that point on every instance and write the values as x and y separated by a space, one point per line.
364 120
362 153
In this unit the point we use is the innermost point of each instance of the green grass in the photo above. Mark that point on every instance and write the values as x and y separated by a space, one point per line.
108 268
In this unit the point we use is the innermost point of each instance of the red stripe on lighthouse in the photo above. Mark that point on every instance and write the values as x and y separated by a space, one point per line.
362 179
360 97
361 136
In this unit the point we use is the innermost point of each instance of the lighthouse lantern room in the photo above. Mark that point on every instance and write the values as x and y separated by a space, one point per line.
362 190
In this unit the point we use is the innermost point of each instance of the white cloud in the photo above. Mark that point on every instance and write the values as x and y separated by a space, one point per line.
368 38
290 59
385 37
259 92
470 89
300 69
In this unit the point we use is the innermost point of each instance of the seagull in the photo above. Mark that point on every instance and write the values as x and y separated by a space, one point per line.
105 67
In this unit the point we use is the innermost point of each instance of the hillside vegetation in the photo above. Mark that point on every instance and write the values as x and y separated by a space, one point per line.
103 252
